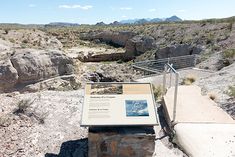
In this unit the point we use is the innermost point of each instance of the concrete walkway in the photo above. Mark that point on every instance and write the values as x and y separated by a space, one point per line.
192 107
206 140
202 129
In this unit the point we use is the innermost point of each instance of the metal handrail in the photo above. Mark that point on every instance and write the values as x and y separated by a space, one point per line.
156 66
168 68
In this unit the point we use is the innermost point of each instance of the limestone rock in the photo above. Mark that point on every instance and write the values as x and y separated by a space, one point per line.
118 39
5 45
138 45
61 83
177 50
35 65
97 54
8 74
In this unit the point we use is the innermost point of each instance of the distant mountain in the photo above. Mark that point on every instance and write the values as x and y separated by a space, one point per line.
129 21
62 24
100 24
156 20
115 23
173 19
147 20
142 21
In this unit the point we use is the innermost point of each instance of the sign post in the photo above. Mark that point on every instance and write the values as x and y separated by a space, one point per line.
120 117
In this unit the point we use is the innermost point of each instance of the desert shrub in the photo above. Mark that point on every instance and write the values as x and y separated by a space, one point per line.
230 26
6 31
23 45
25 41
158 91
228 57
188 80
229 54
231 91
4 121
22 106
12 40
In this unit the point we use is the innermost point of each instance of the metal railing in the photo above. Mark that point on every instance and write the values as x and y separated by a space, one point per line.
157 66
168 69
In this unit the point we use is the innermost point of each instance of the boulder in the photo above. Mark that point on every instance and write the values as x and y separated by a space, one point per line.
117 39
8 74
5 45
60 83
35 65
138 45
177 50
92 57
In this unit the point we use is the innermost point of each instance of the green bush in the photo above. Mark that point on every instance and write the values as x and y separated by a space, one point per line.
229 54
231 91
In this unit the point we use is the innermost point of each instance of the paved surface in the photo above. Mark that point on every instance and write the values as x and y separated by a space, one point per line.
201 127
192 107
206 140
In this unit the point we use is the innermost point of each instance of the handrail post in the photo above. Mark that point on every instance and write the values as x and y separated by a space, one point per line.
175 95
164 79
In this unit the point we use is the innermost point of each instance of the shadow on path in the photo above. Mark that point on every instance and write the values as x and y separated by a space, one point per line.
76 148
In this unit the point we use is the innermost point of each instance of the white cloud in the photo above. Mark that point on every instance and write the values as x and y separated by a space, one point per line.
124 16
126 8
32 5
152 10
181 11
76 6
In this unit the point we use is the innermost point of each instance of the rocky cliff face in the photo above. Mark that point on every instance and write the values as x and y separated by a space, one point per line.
138 45
30 65
177 50
116 39
167 39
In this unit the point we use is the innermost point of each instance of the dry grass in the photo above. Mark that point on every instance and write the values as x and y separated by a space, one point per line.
22 106
158 91
188 80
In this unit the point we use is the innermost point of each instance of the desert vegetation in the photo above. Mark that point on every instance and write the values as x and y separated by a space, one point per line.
188 80
231 91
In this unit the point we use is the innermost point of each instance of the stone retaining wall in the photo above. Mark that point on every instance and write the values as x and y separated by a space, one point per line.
121 142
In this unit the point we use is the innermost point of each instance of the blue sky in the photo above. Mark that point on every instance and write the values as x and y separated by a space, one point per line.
93 11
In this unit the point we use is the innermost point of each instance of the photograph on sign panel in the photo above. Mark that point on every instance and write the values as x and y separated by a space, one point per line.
106 88
136 108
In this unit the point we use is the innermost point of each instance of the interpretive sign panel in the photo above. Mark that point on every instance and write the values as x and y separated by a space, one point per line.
112 104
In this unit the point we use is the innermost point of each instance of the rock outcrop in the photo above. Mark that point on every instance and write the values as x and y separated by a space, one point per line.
97 54
5 45
8 74
177 50
138 45
30 66
92 57
32 38
116 39
35 65
135 44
